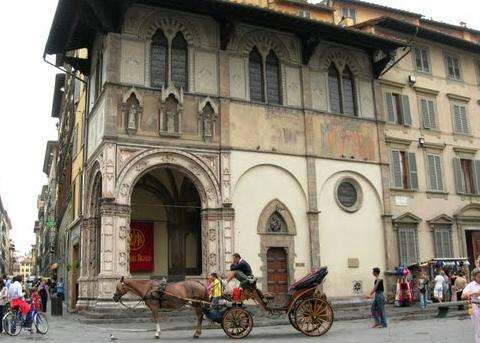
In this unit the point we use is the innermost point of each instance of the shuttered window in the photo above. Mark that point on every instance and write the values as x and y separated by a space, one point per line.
408 245
349 106
467 175
453 67
273 78
158 60
403 170
435 175
334 90
398 108
255 67
460 119
442 236
429 118
180 62
421 60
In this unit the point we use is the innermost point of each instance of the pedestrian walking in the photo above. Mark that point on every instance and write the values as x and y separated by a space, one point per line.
61 289
3 302
378 305
438 288
43 292
423 289
472 292
460 284
446 285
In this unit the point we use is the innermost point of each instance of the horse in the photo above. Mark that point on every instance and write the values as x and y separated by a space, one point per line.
170 296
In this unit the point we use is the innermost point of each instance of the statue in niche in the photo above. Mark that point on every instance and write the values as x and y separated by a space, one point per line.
207 116
132 109
171 114
132 117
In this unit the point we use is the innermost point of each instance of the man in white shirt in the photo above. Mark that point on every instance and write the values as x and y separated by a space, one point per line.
15 294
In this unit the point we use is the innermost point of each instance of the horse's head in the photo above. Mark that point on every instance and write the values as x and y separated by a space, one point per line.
120 290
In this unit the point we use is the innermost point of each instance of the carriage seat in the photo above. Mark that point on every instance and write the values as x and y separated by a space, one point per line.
313 279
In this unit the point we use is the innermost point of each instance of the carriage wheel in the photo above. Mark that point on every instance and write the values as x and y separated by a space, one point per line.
291 315
237 322
314 316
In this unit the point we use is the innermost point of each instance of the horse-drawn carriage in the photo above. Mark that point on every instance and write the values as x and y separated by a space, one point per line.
307 307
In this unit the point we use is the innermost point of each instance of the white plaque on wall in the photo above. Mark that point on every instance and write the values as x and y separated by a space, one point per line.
401 200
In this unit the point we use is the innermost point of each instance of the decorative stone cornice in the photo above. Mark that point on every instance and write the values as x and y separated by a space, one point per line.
110 207
396 140
465 150
392 83
452 96
426 90
437 146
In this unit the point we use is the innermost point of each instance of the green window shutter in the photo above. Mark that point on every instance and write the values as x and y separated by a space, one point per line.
477 175
438 172
412 171
425 114
431 114
457 170
432 172
463 116
390 109
407 117
396 169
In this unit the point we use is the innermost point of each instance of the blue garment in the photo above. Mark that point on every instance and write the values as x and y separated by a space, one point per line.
378 309
423 300
242 266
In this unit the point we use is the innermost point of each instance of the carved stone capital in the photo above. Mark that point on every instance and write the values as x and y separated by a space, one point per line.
108 206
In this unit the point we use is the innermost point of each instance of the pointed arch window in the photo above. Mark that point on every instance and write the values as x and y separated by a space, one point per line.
179 61
334 89
341 90
255 67
348 94
159 60
273 78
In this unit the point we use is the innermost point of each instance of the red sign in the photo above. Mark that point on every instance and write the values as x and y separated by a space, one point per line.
141 247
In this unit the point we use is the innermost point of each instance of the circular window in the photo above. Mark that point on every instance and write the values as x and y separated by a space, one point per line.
348 194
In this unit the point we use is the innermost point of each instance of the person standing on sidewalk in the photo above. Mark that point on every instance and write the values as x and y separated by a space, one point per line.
438 289
472 292
3 302
378 305
61 289
423 289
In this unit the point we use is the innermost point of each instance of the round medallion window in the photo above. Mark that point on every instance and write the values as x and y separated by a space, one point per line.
348 194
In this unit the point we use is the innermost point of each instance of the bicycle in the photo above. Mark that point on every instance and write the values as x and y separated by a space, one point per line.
13 322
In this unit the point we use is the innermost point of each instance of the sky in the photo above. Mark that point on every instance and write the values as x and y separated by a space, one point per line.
26 87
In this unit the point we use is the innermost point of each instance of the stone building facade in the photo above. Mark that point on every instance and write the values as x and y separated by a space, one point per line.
221 137
429 100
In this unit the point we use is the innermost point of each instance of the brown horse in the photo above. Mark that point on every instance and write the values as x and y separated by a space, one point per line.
174 296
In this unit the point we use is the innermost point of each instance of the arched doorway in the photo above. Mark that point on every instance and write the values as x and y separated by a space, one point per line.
165 226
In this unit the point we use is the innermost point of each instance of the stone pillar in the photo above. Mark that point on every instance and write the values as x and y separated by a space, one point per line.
312 214
85 296
228 220
212 253
114 249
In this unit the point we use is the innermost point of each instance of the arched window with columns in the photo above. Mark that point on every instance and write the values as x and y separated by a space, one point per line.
255 65
334 89
273 78
158 60
180 61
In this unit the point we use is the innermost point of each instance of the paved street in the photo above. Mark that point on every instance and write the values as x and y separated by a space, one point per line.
424 331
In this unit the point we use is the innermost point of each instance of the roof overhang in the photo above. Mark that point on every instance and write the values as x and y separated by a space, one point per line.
421 32
77 21
49 152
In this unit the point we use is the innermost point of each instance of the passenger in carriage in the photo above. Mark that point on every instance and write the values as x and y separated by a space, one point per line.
215 289
241 270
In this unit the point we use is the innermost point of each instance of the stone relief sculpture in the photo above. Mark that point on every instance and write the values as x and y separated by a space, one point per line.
171 110
132 107
207 118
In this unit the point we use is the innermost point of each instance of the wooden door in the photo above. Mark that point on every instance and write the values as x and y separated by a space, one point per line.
277 273
475 244
75 273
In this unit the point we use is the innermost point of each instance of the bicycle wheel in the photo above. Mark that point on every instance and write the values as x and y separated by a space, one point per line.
12 323
41 323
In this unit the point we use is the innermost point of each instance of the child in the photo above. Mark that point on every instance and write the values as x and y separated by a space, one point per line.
215 289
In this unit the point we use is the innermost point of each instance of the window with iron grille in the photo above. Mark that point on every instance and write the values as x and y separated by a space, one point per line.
158 60
453 67
408 245
434 172
273 79
256 76
265 77
460 120
442 236
422 62
403 170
